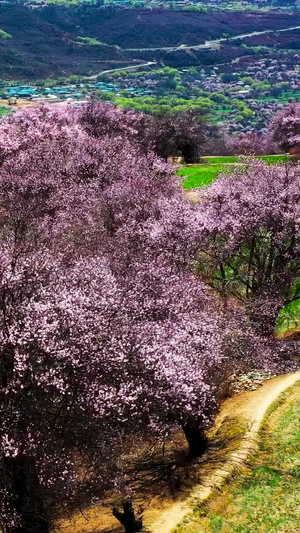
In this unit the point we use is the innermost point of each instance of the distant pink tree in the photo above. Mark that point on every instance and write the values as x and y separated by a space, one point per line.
251 238
185 134
249 144
284 129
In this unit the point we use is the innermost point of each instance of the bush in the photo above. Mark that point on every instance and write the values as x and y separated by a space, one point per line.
5 35
90 41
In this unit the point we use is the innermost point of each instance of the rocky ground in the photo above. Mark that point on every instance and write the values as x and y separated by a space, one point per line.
250 381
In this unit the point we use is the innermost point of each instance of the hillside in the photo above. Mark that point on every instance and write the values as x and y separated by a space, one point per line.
39 48
45 42
146 28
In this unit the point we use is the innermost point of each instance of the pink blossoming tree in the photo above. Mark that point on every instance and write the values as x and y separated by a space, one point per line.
185 134
105 332
251 238
284 129
250 144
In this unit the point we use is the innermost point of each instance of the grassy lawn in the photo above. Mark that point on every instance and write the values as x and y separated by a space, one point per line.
266 498
200 175
233 159
213 160
275 158
204 173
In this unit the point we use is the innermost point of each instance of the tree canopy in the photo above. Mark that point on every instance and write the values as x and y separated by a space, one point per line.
250 231
107 331
102 319
284 129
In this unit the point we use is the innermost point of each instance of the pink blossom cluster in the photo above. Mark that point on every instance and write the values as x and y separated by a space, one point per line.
250 144
250 225
284 129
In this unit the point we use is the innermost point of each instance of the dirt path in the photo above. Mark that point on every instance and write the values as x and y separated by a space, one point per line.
252 407
162 513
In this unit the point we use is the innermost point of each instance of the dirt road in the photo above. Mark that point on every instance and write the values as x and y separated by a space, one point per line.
251 406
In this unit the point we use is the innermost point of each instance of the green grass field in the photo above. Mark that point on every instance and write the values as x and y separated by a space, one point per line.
200 175
265 499
215 160
195 176
234 159
289 319
5 111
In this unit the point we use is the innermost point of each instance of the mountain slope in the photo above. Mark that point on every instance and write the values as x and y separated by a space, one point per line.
44 41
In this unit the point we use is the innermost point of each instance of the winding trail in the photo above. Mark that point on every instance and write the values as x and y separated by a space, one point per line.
250 406
117 69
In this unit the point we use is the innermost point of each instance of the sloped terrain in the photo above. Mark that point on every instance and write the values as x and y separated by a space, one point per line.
143 28
44 41
39 48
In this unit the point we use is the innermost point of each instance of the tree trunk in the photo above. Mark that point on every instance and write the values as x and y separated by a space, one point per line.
190 154
26 498
127 518
195 437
